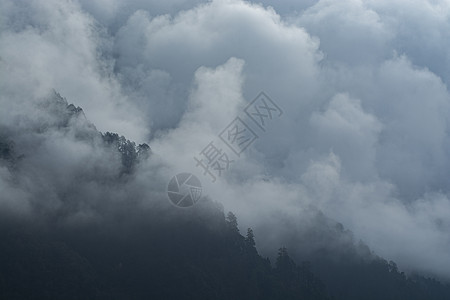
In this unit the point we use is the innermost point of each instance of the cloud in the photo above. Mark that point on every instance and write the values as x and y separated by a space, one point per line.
351 133
363 86
57 46
209 35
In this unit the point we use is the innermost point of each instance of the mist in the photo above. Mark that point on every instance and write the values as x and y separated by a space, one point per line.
363 138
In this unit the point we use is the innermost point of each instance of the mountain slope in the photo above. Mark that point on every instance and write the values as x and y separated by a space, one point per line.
74 227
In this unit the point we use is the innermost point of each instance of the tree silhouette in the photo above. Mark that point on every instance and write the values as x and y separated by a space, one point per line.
232 222
250 238
284 264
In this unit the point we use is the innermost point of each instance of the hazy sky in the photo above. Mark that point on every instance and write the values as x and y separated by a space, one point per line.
363 85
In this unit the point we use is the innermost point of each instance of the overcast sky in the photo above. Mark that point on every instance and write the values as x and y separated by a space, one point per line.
363 85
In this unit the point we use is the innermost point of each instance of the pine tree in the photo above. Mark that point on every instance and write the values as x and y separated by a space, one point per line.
284 264
250 238
232 222
143 151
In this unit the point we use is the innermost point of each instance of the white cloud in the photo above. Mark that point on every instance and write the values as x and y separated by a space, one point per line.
363 86
58 47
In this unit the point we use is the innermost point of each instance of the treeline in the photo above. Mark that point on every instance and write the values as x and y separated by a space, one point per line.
194 254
